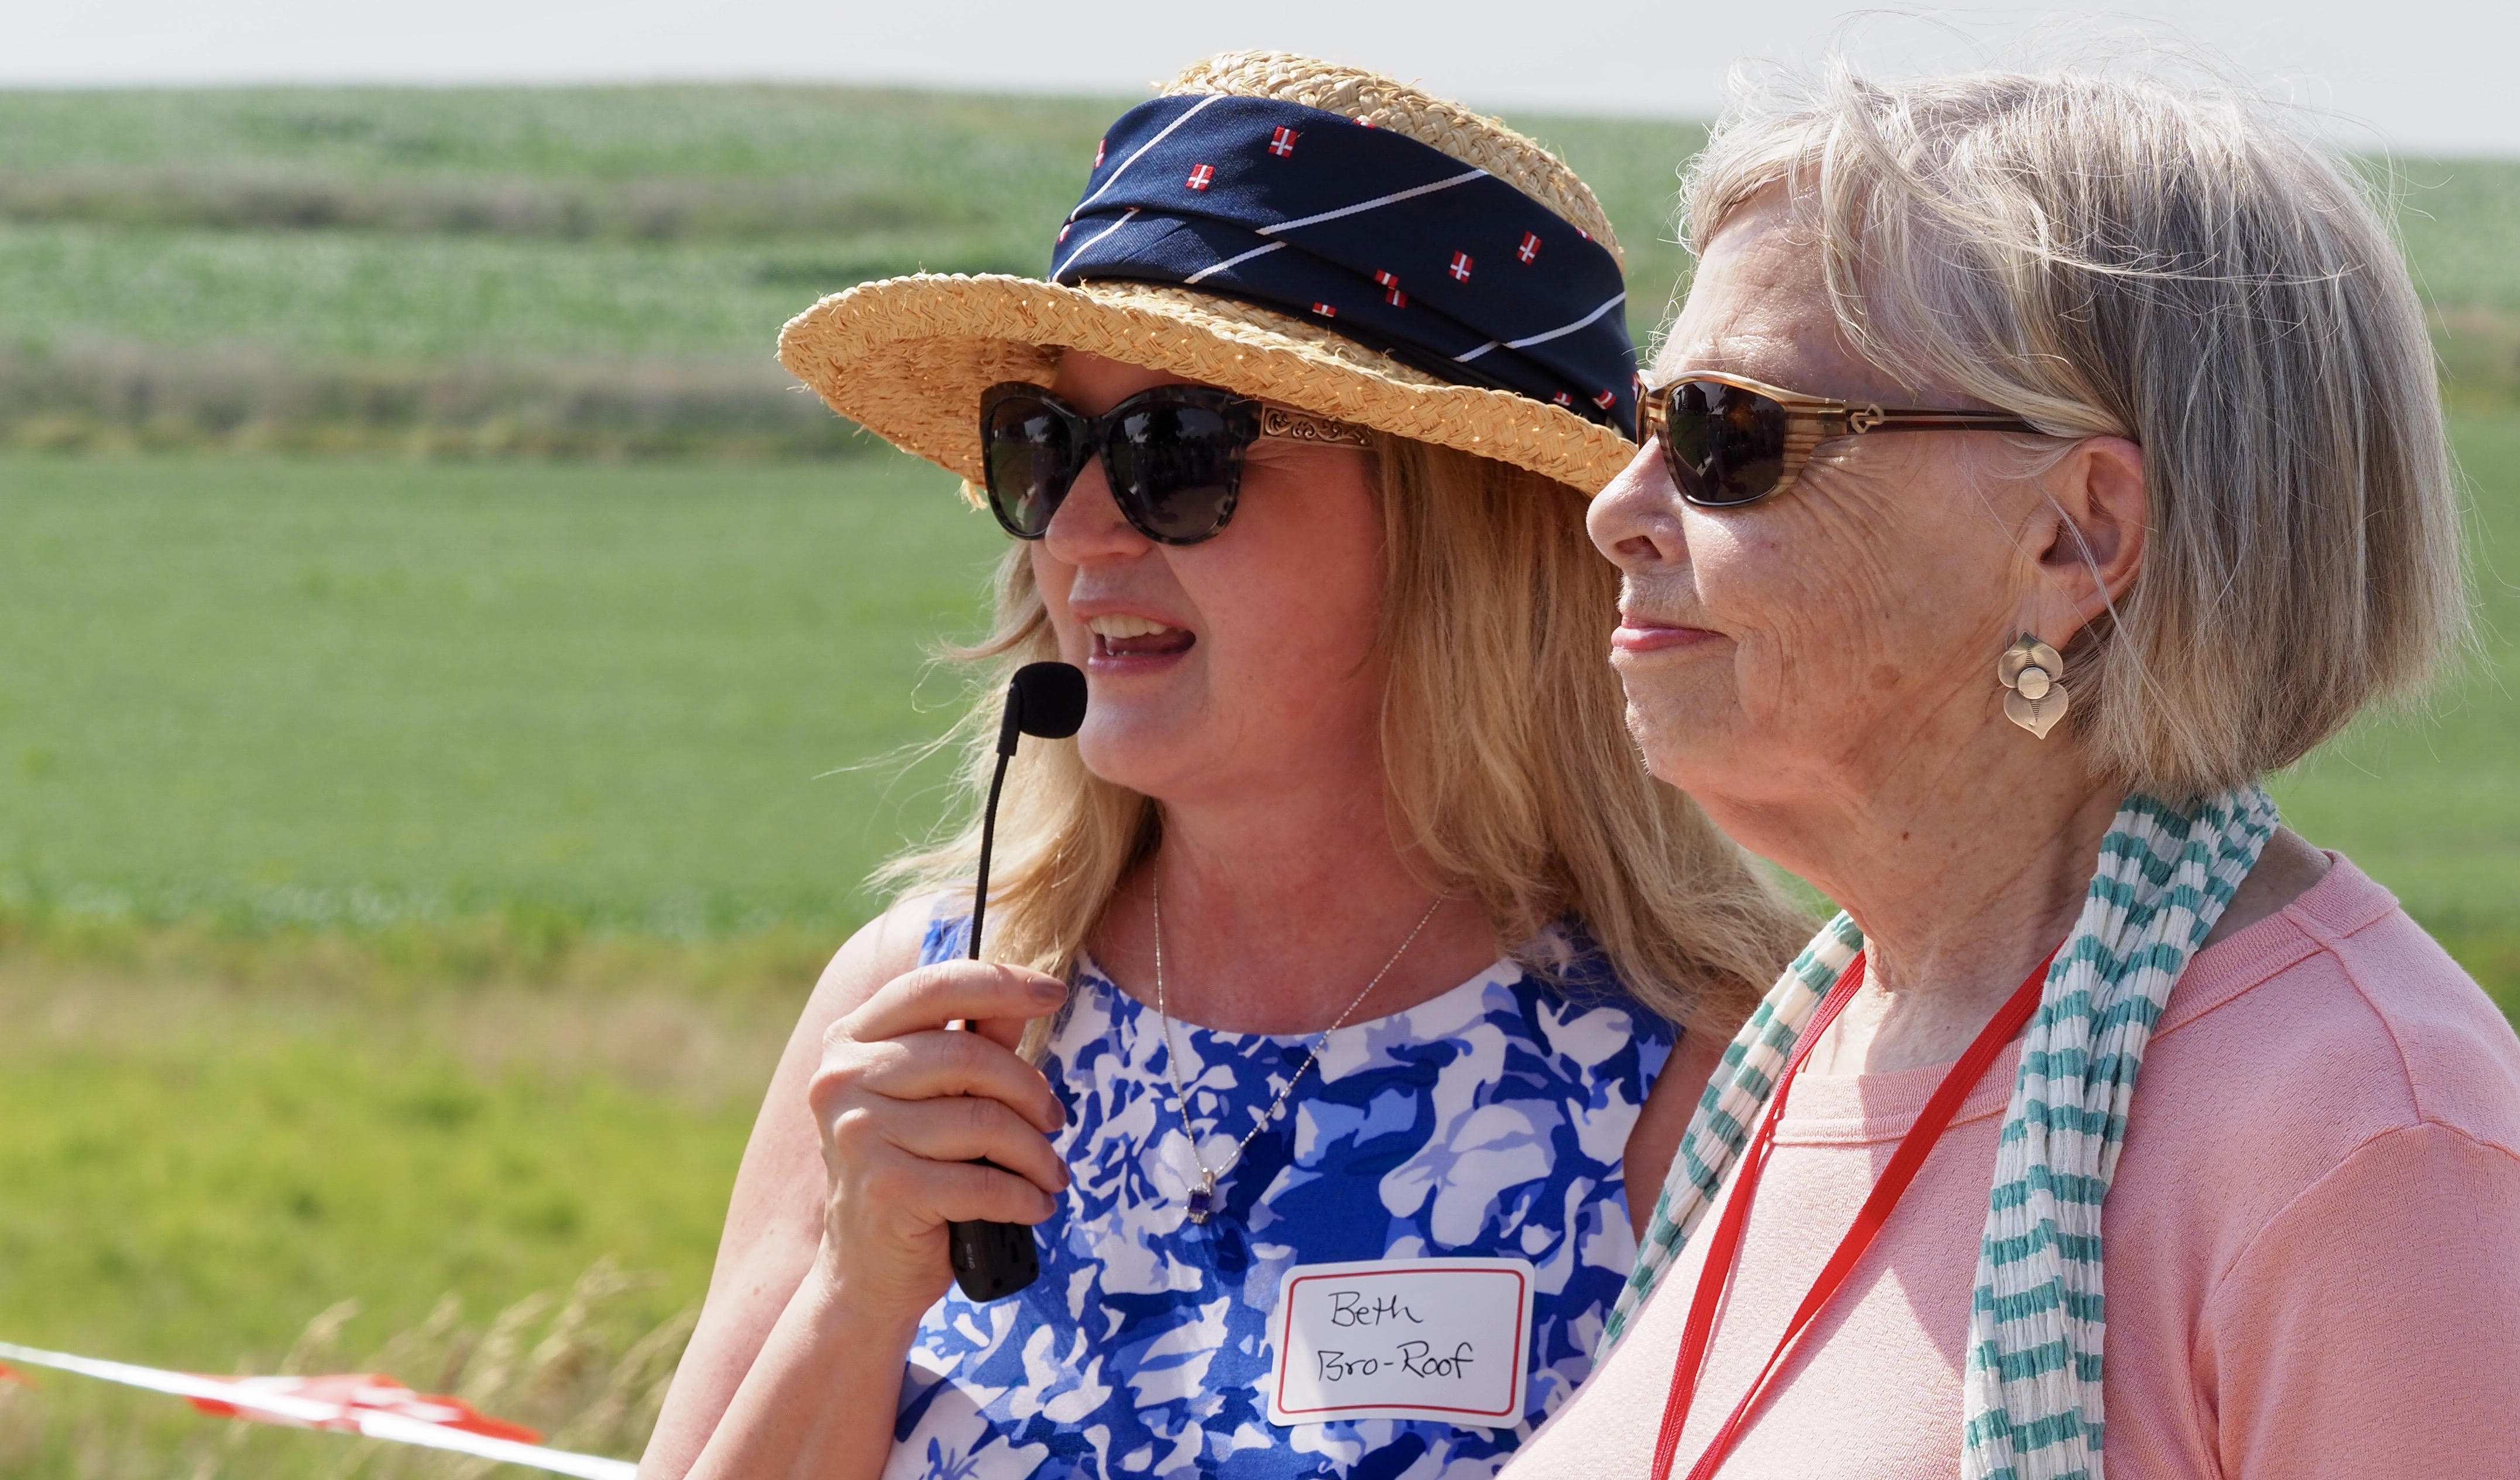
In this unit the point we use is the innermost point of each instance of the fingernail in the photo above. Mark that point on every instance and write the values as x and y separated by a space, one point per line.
1045 990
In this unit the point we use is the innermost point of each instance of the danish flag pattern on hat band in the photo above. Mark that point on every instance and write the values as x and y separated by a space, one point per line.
1212 191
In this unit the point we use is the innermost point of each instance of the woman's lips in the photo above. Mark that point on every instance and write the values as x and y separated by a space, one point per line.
1637 635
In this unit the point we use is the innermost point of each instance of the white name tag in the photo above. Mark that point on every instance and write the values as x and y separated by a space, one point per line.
1446 1340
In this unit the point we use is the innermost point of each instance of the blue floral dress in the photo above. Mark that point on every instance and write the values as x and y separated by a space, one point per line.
1489 1121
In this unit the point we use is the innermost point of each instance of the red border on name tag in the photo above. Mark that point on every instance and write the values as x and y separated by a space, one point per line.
1522 1307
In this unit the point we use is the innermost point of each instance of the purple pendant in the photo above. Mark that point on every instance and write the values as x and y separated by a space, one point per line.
1201 1203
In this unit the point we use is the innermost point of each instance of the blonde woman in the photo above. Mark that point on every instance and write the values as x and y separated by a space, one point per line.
1351 928
2037 464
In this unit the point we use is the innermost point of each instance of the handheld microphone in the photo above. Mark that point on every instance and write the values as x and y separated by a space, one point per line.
993 1260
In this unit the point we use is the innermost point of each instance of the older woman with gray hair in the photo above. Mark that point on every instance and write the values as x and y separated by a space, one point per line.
2038 463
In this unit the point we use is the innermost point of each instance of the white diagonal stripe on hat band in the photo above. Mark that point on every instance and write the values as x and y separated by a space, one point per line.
1081 247
1188 113
1561 333
1393 199
1208 272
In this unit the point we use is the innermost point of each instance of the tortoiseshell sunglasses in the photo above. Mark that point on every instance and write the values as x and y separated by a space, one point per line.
1729 440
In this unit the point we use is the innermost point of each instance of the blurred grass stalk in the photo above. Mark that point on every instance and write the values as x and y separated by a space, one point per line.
577 1368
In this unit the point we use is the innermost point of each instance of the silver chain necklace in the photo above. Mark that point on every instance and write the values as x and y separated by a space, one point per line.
1203 1198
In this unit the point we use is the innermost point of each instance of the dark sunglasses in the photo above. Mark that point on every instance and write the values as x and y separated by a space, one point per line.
1173 455
1729 440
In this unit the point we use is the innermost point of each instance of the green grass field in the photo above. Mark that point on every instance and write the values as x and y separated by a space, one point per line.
409 867
194 1170
407 873
323 692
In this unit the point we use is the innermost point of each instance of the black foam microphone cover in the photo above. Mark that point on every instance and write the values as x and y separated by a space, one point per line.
1046 700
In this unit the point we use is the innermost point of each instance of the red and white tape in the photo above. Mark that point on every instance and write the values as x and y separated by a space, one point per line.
376 1406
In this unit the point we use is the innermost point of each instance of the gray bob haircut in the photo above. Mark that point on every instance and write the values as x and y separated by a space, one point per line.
2127 258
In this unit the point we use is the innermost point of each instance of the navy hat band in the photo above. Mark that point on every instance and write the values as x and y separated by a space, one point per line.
1372 235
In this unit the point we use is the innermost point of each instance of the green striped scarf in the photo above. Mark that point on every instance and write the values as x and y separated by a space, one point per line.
2036 1325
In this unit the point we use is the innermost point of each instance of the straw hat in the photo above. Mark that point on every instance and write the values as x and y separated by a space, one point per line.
908 357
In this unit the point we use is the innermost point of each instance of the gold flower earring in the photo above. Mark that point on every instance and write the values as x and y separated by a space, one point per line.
2033 672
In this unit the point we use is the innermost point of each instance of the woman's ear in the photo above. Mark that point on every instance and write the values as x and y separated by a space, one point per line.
2089 539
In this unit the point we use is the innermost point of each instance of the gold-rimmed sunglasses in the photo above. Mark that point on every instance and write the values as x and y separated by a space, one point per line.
1729 440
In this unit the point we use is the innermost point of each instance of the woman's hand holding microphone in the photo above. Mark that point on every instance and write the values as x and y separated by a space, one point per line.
902 1108
905 1108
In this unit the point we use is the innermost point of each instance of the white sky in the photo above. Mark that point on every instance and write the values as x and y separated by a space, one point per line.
2414 75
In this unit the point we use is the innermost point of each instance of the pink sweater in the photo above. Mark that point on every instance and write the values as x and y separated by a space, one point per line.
2312 1242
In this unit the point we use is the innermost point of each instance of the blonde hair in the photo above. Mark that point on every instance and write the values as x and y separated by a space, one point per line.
1511 776
2122 259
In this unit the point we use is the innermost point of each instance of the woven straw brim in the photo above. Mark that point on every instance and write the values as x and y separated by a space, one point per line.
909 357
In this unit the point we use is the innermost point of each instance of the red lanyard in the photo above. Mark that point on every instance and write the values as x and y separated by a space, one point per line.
1726 1243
